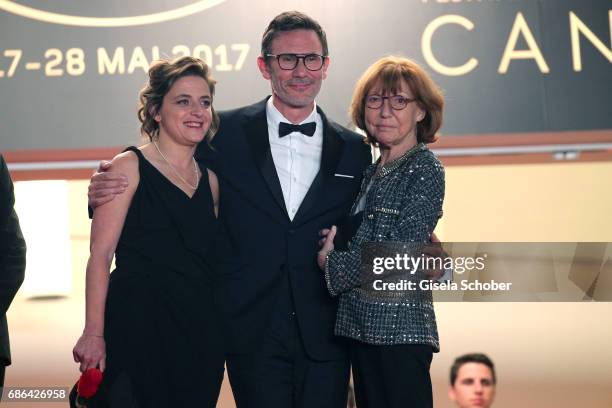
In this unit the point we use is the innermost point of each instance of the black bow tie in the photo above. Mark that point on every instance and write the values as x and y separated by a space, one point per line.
307 129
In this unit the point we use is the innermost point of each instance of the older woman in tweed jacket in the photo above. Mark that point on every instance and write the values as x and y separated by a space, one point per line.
391 339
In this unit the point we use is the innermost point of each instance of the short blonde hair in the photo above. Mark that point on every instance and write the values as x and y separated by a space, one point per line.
388 72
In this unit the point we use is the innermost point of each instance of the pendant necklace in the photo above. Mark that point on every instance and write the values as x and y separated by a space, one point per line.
195 167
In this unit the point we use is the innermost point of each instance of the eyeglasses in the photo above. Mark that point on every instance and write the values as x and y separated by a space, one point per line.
287 62
398 102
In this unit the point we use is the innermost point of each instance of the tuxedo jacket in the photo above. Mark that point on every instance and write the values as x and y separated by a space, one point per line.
12 256
262 252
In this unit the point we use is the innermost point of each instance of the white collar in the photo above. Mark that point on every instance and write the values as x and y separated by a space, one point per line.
275 117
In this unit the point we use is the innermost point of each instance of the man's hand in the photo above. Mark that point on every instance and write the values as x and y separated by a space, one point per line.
434 250
327 245
105 185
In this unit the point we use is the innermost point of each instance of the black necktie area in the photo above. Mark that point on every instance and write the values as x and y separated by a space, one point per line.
306 129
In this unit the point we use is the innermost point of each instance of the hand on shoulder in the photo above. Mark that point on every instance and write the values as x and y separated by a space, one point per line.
110 180
126 163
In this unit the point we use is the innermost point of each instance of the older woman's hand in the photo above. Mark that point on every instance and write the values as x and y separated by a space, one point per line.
327 245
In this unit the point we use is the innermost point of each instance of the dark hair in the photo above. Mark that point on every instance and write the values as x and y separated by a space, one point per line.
289 21
389 72
162 75
471 358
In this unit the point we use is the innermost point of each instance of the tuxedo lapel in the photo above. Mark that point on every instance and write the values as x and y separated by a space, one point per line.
256 131
330 156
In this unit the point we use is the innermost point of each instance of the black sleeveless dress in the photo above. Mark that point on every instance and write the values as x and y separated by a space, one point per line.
163 342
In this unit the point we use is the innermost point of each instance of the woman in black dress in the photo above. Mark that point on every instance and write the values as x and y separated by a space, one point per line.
150 324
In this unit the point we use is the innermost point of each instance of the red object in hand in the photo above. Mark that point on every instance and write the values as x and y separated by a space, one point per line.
89 382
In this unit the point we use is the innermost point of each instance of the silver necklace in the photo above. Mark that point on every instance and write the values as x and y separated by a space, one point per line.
195 168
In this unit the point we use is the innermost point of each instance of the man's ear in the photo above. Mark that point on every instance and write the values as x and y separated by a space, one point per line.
451 394
325 66
263 67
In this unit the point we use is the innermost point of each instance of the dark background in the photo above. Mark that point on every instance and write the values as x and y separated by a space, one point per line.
94 110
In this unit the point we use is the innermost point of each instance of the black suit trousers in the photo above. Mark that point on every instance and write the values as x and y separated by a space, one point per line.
281 374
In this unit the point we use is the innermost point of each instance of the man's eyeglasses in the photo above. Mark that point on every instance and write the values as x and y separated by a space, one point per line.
398 102
312 62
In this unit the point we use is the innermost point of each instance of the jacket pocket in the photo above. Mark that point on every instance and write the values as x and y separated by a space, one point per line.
385 220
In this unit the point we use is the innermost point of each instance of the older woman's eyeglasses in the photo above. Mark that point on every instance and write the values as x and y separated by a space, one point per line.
398 102
287 62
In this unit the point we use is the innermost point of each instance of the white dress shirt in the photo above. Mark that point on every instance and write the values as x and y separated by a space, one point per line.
297 157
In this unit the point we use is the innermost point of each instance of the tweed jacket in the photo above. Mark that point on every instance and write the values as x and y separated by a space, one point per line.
403 204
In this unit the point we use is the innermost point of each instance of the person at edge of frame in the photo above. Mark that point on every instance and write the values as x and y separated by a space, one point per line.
472 381
12 261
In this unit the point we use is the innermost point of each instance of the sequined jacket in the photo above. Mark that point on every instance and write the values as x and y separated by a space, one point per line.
403 203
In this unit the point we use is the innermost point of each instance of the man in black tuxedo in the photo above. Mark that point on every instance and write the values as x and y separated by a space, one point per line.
285 172
12 260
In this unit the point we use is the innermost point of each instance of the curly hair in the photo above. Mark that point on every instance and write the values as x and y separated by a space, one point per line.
162 75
